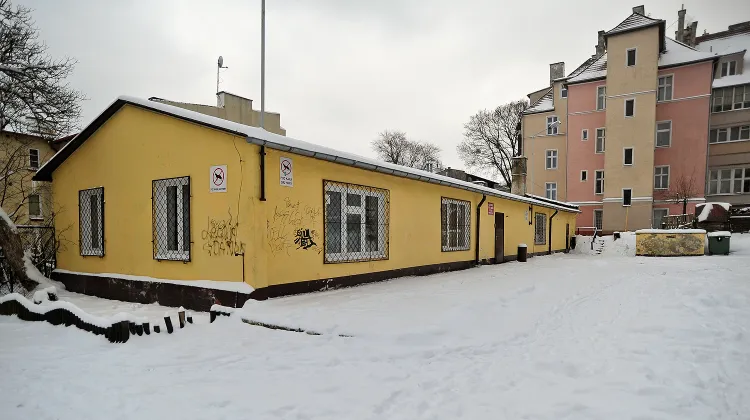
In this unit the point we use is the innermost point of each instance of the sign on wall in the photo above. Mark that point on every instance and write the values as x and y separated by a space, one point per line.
218 179
286 172
490 208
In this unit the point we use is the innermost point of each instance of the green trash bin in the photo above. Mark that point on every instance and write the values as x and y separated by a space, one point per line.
718 243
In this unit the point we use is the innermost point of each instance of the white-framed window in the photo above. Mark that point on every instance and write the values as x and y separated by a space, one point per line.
91 221
741 180
661 177
564 92
171 218
729 181
598 217
550 161
630 107
627 156
721 135
630 55
731 98
552 125
601 98
33 158
584 134
584 175
664 91
35 206
627 196
599 182
540 228
663 134
728 68
550 190
455 225
659 215
356 222
601 134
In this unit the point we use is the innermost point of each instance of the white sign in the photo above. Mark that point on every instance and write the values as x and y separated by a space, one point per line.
286 174
218 179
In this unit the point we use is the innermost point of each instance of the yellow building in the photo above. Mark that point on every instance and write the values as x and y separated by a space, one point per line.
156 191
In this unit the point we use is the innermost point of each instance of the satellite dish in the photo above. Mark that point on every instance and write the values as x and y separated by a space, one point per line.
221 61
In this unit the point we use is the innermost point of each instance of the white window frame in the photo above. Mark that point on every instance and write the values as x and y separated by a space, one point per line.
552 128
87 246
563 90
597 179
727 65
538 230
40 215
585 134
632 156
653 216
625 108
461 205
550 190
623 197
719 94
661 177
344 255
38 159
161 218
603 138
635 57
584 175
601 93
666 86
658 130
550 159
601 218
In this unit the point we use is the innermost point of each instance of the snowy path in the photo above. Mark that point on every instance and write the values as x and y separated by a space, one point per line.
561 337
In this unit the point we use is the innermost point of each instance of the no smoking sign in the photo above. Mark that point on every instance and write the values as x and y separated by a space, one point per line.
218 181
286 172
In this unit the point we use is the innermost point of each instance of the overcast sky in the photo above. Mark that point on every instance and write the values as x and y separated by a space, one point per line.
340 71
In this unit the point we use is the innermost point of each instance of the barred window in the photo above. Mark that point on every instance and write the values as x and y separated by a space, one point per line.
455 224
91 221
356 222
540 228
171 218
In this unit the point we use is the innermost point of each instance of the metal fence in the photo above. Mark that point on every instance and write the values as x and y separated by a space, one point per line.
678 221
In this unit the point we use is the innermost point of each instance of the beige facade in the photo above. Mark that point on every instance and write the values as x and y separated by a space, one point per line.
234 108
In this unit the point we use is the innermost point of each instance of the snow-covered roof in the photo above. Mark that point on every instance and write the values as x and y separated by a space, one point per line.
677 53
543 104
633 22
739 43
595 70
549 200
262 137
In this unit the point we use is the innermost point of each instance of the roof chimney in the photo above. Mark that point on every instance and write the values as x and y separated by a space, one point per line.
691 33
679 34
556 71
600 46
641 10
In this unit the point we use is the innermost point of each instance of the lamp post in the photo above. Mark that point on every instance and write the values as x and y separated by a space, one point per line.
546 128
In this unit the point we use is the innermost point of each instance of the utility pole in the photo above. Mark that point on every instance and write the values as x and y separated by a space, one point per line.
262 62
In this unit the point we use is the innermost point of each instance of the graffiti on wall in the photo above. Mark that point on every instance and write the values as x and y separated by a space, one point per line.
291 228
220 237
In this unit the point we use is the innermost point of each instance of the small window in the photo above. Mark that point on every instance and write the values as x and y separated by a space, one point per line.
659 215
599 182
584 134
627 156
663 134
600 138
35 206
540 228
664 92
91 221
564 92
551 159
745 132
661 177
171 218
550 190
598 216
356 223
631 57
627 196
629 107
34 158
601 98
728 68
584 175
552 125
455 225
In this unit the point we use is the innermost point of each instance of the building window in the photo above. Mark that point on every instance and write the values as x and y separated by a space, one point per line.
599 182
659 215
551 159
91 221
540 228
584 134
600 137
630 60
601 98
550 190
741 183
552 125
664 91
356 222
455 224
627 196
663 134
33 158
729 181
564 92
629 107
171 218
584 175
728 68
661 177
627 156
35 206
731 98
598 216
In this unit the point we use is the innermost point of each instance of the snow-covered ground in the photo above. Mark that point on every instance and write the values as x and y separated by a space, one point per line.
574 336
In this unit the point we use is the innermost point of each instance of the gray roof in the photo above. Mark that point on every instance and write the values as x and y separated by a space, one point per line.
632 22
596 70
543 104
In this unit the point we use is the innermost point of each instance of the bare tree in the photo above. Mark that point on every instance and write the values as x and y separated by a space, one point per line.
492 137
393 146
682 189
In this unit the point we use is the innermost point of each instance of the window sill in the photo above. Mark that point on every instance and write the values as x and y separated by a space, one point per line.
176 258
598 153
550 169
627 164
663 147
36 218
455 250
731 110
538 243
729 141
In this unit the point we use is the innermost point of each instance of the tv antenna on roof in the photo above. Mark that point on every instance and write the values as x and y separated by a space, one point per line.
220 65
